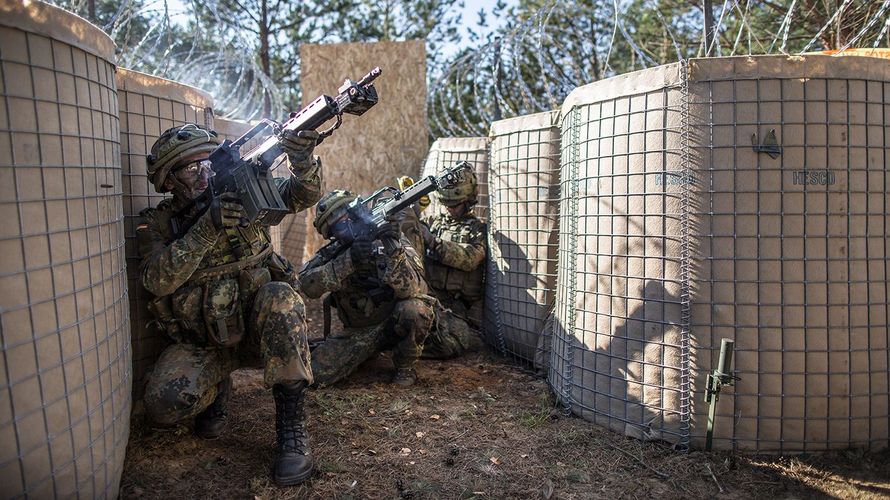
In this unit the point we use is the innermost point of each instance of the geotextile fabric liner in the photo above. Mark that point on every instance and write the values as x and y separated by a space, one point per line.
149 105
65 380
678 228
523 180
447 152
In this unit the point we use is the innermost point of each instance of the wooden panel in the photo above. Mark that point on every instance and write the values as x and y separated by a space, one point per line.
391 139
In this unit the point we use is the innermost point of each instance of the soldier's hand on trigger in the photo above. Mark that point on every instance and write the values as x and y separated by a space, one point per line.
226 211
391 231
426 234
362 254
298 146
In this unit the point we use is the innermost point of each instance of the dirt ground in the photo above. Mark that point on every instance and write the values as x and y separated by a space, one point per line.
474 427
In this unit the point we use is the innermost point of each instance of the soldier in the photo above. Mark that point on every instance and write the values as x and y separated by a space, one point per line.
223 295
376 284
455 244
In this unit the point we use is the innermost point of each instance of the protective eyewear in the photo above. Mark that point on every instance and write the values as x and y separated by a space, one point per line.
195 169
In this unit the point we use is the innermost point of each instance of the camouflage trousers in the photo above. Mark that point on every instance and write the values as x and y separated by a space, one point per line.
186 377
456 330
404 332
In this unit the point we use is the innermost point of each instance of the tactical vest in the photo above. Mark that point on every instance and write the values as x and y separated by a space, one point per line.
364 301
466 285
210 306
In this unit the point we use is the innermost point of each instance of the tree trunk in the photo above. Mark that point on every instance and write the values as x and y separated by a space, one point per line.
265 58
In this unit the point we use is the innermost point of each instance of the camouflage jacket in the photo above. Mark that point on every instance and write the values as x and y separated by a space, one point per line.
362 299
169 262
453 262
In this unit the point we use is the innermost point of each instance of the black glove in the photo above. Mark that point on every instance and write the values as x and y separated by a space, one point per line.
427 235
226 211
391 231
298 146
362 254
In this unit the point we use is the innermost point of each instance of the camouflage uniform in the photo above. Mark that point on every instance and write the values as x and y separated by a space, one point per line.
454 271
226 299
386 308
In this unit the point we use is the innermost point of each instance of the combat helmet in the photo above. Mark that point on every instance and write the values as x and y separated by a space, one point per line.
466 189
329 209
175 144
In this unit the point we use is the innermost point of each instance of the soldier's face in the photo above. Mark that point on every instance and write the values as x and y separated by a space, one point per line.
457 211
194 178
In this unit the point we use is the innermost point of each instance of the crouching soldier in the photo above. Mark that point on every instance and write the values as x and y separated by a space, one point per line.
224 296
376 284
455 251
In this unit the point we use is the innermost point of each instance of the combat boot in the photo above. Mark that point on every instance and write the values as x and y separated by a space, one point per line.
405 377
293 463
210 423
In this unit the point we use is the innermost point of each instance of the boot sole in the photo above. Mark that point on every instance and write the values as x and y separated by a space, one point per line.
292 480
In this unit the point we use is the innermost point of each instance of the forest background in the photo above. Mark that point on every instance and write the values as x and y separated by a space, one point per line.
504 59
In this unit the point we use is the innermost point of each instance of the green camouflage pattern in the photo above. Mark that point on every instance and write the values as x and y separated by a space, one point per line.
221 322
168 263
454 271
386 310
404 331
456 330
454 260
184 380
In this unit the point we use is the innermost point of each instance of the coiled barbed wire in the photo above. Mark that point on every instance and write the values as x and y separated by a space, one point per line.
527 69
179 46
521 69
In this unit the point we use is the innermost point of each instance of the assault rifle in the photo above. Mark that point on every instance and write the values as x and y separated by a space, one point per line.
250 176
366 216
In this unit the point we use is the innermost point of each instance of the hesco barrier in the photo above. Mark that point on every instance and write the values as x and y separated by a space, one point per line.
740 198
446 152
148 106
523 181
65 384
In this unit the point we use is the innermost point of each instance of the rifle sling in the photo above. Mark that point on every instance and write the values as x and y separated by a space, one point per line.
212 272
326 303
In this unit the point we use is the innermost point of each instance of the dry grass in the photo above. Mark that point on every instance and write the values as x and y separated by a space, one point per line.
473 428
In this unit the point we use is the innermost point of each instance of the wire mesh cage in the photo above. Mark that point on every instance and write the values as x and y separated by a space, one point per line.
740 198
148 106
524 195
446 152
65 390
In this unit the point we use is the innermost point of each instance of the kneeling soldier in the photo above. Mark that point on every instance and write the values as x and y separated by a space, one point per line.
224 296
455 251
380 295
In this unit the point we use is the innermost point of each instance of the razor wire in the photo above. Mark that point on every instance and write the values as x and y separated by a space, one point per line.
179 45
526 69
522 68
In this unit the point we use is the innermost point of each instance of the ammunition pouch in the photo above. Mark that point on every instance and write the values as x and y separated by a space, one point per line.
223 317
467 284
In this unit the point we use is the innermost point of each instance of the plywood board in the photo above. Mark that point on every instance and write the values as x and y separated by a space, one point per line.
391 139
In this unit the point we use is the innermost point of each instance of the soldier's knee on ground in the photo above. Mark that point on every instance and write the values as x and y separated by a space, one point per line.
413 316
168 401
